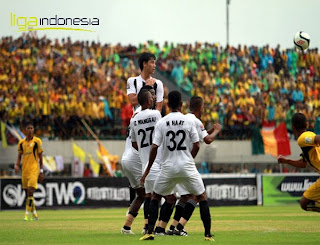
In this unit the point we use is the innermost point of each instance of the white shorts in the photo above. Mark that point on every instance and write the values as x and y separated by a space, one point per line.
193 184
181 190
132 168
151 178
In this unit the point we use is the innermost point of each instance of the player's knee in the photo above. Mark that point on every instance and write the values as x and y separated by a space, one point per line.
141 197
156 196
30 191
171 199
201 197
304 202
141 194
185 198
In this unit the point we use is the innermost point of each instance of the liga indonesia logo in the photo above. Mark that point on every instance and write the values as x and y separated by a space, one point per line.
32 23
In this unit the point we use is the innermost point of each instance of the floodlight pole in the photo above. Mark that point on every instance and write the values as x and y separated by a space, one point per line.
227 6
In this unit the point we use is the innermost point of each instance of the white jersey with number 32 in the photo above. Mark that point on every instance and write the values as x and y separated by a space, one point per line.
175 132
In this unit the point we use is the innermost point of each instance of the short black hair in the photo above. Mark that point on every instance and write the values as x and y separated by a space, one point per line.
299 121
27 123
145 57
143 96
147 87
195 103
174 99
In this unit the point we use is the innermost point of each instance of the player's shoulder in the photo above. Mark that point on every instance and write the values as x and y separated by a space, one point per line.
131 79
37 139
191 116
306 137
158 81
21 141
188 117
155 112
307 134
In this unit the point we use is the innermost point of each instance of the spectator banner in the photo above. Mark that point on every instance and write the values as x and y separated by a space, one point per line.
278 189
68 192
228 191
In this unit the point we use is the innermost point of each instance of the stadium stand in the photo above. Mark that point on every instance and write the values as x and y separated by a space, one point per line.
57 83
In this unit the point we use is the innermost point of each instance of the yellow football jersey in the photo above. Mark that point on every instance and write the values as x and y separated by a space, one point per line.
311 151
30 151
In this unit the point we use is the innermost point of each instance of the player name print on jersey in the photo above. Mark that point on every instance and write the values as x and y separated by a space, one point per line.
144 121
175 122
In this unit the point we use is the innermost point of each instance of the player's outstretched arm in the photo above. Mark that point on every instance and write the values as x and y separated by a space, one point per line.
295 163
213 132
152 157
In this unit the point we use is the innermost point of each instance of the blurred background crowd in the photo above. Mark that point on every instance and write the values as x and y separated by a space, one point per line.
56 83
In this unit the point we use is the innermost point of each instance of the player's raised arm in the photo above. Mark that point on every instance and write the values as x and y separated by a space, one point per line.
210 138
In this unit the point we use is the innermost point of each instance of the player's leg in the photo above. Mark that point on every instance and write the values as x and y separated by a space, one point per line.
205 216
132 169
162 187
30 202
133 211
146 208
186 214
132 194
149 186
24 182
153 216
190 204
29 183
178 212
195 185
309 205
310 201
165 214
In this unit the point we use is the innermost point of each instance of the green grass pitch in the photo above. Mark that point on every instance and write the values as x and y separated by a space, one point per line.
230 225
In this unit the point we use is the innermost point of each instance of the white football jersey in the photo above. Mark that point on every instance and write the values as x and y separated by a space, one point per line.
142 131
134 85
202 132
129 151
175 132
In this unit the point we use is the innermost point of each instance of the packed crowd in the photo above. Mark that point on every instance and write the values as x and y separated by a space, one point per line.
244 86
55 84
